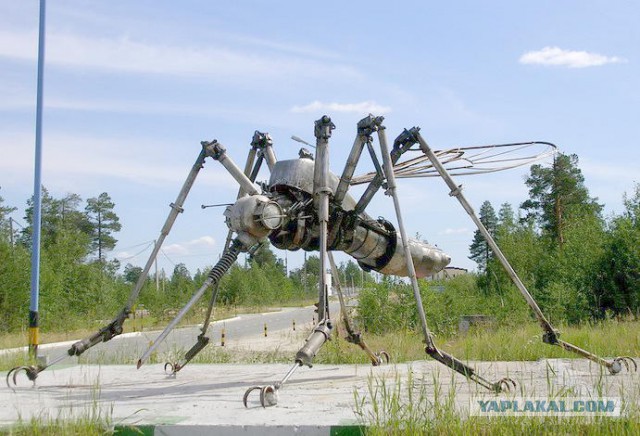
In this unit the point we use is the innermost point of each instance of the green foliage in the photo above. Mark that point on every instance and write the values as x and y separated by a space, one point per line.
556 195
479 248
387 307
72 289
132 273
352 276
307 277
75 291
617 274
264 257
575 264
5 224
14 285
257 285
104 221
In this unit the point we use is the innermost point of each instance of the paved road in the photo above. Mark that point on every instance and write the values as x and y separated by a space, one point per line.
247 328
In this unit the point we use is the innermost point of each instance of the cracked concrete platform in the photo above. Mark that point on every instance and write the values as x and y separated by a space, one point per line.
315 400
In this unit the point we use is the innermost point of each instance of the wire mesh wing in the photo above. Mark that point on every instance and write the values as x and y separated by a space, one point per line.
466 161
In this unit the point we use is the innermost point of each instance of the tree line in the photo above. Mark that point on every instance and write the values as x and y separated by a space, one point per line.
80 284
578 263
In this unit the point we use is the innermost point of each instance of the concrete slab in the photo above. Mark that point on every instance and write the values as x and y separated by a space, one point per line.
313 402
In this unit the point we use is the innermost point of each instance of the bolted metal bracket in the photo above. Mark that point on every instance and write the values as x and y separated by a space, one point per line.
260 140
213 149
370 124
323 127
550 337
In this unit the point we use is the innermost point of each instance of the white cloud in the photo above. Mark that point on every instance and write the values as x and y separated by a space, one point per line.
364 107
133 56
555 56
73 159
193 247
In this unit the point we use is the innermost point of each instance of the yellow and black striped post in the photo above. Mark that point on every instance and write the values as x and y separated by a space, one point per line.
34 339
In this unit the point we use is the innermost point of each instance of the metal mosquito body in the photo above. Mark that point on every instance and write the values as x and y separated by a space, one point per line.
305 206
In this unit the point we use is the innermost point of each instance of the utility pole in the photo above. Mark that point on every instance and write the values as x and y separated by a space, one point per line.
304 274
157 276
34 321
99 237
286 264
11 232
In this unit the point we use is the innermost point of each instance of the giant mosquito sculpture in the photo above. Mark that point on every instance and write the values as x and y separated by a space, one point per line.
305 206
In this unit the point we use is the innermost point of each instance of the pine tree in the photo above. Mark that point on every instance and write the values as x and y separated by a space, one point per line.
5 225
60 221
479 248
557 194
105 222
506 218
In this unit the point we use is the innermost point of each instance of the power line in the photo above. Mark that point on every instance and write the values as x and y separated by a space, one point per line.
138 253
167 257
137 245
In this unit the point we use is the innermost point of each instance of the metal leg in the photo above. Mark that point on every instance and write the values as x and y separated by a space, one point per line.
251 169
322 332
202 339
430 348
550 335
354 336
264 142
216 273
369 125
365 127
115 327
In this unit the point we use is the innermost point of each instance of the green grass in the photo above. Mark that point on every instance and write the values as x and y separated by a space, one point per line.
92 419
610 338
394 407
56 427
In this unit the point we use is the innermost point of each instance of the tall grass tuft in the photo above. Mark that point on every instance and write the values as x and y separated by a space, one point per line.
413 407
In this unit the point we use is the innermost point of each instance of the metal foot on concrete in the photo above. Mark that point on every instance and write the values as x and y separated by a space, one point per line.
504 385
618 362
380 355
268 395
172 368
30 370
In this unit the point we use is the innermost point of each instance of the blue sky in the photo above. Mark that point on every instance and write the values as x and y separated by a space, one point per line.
131 88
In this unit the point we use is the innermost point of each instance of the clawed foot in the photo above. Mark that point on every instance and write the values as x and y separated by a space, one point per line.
504 385
268 395
379 358
172 368
618 362
30 371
